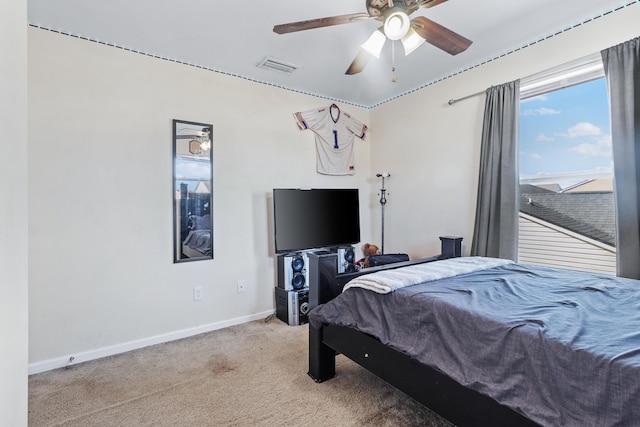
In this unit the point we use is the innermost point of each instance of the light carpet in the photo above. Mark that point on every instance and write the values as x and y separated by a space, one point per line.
254 374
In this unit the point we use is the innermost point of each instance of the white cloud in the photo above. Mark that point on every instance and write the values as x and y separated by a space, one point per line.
543 137
535 98
547 111
536 156
583 129
601 147
196 170
542 111
600 144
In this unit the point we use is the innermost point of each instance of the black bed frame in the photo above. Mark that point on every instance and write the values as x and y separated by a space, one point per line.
429 386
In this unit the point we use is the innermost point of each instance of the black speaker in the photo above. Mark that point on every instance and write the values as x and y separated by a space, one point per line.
346 260
293 271
451 247
292 307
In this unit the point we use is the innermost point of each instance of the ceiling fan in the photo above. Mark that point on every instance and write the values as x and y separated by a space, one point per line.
394 14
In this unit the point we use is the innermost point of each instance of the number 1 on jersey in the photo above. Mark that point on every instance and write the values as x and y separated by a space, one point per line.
335 139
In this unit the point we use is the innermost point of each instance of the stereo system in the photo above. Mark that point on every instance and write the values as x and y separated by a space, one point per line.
297 270
292 307
293 271
346 260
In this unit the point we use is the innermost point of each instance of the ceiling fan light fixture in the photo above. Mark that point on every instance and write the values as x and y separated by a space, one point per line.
411 41
195 147
374 43
396 25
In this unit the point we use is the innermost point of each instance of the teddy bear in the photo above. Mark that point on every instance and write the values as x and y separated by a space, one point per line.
368 249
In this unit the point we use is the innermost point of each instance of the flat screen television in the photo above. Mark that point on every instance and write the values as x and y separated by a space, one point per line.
315 218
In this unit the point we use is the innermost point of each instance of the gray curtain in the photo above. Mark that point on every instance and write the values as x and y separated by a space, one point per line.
622 70
496 225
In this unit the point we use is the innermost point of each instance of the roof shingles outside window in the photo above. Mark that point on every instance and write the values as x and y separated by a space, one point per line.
591 214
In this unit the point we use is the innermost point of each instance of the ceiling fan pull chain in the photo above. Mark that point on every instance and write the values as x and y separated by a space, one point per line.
393 61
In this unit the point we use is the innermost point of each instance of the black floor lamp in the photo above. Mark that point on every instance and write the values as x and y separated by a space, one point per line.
383 201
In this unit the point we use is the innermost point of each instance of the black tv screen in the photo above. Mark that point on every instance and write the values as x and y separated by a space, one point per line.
315 218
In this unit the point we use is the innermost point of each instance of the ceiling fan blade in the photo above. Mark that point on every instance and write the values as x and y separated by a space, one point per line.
319 23
430 3
361 60
439 36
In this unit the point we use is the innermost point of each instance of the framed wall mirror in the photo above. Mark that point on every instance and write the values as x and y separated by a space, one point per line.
192 191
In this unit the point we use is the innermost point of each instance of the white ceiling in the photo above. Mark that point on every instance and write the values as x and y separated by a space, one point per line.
233 36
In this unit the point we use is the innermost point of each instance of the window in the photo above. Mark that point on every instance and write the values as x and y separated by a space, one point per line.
567 216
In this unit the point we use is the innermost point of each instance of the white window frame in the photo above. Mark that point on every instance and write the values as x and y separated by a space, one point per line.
572 73
581 70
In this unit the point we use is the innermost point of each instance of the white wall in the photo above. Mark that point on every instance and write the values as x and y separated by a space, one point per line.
432 149
102 277
13 213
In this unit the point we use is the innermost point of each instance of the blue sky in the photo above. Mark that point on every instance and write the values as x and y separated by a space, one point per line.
566 130
191 171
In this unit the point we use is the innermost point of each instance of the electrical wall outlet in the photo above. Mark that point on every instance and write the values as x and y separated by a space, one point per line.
197 293
242 286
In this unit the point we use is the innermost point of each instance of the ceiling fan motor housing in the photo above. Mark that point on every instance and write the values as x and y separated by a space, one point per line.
381 9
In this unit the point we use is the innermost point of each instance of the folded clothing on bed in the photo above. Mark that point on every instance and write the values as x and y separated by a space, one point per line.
387 281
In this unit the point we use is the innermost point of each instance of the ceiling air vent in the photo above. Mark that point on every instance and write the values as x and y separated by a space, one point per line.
269 63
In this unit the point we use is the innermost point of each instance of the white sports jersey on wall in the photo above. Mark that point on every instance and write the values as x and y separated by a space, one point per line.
334 134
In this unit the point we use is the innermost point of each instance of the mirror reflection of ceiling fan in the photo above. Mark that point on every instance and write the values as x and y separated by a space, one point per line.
200 140
394 15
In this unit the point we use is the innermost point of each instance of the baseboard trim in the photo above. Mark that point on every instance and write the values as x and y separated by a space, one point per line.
85 356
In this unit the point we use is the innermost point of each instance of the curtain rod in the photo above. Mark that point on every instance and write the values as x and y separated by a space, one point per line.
453 101
583 69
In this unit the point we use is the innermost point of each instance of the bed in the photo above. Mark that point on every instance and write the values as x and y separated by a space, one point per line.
198 241
490 343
